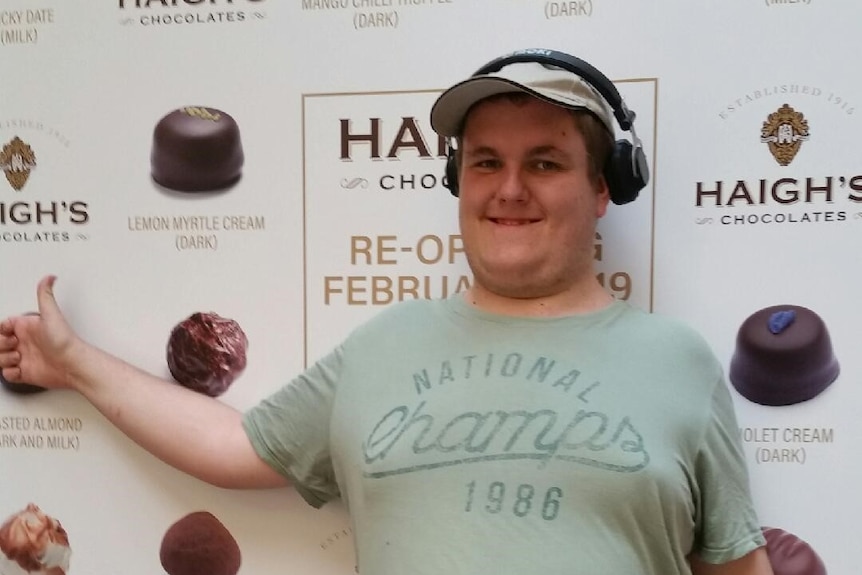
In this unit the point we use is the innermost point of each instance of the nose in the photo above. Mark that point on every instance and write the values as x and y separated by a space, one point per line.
513 187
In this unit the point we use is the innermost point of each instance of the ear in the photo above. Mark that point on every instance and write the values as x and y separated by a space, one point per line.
603 196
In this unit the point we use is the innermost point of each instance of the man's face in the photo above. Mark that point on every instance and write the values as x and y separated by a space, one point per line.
528 208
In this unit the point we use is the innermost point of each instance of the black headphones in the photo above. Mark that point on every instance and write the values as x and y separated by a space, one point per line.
626 171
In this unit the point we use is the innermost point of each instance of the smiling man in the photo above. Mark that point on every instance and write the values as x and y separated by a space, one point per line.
535 166
533 424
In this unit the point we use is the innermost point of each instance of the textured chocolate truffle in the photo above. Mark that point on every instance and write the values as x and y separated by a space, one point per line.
198 544
783 356
206 352
790 555
196 149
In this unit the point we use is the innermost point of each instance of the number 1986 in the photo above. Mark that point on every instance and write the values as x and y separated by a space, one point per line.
520 501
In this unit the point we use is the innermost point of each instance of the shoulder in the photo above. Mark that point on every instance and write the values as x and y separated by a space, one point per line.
399 318
405 310
664 337
631 317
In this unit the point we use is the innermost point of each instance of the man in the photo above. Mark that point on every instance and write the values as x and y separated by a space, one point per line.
532 424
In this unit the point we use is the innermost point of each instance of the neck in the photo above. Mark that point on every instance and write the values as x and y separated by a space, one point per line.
576 300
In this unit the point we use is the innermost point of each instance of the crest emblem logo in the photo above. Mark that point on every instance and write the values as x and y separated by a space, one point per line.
784 131
17 159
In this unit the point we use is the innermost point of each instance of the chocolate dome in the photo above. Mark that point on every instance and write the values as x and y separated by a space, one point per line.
783 356
196 149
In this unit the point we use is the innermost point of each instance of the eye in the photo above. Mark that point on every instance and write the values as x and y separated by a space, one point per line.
486 164
546 165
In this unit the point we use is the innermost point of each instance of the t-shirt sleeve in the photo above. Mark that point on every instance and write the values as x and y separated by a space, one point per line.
290 430
727 524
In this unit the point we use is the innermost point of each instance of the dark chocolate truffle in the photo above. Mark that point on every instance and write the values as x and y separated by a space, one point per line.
790 555
198 544
206 352
22 388
783 356
196 149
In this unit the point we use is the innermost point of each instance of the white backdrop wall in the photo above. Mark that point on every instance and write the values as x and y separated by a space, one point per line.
325 227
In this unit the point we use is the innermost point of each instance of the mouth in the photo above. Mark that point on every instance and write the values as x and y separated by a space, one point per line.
513 221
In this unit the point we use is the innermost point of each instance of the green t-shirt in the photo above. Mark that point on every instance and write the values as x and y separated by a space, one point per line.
464 442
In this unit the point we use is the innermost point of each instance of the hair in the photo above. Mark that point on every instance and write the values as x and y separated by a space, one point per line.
598 141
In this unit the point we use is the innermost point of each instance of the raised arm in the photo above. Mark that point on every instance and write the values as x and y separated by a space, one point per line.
190 431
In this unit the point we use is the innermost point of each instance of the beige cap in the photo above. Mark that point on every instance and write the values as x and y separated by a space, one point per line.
545 82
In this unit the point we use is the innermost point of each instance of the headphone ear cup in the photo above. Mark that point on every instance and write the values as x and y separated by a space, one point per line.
626 172
450 181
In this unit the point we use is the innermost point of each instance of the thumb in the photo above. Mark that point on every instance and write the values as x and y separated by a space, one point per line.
45 297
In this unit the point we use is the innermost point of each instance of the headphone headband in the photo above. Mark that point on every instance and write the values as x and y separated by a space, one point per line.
588 72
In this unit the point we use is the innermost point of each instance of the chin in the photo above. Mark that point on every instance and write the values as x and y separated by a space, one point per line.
517 285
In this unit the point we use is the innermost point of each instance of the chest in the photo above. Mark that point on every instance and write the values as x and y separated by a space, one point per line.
480 428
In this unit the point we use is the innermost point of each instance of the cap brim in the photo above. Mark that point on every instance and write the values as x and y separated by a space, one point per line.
450 109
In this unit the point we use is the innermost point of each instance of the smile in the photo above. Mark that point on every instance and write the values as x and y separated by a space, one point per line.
512 221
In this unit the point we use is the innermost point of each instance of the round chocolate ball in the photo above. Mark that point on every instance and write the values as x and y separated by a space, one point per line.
206 352
196 149
783 356
199 544
790 555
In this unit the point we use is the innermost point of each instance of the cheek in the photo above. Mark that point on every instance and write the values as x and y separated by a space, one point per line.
462 211
469 207
466 223
592 204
